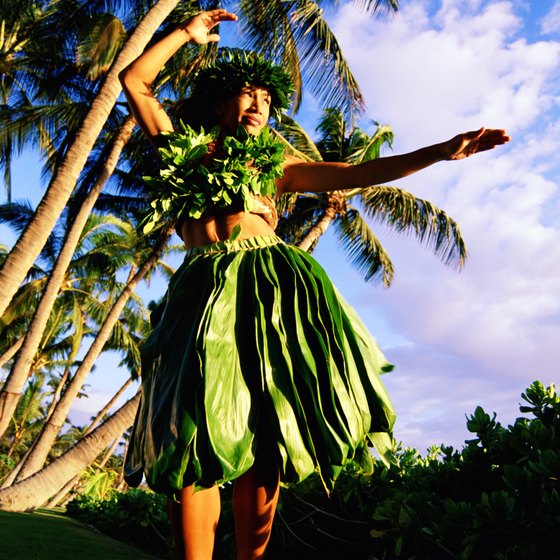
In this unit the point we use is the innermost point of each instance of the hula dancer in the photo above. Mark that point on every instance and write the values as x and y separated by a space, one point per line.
256 371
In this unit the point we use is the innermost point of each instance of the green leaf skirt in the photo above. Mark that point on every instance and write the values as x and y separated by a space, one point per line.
254 347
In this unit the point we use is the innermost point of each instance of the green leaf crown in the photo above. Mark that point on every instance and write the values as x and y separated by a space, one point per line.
191 181
236 68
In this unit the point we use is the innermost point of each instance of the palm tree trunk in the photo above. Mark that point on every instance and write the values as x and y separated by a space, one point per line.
27 248
20 370
58 392
37 489
59 496
70 485
46 439
63 494
11 351
334 205
107 407
15 440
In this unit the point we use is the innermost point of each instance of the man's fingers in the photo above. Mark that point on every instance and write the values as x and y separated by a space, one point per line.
221 15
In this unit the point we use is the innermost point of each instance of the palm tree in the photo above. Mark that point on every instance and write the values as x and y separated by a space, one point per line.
19 373
299 26
27 418
43 444
307 216
93 269
17 19
34 491
28 246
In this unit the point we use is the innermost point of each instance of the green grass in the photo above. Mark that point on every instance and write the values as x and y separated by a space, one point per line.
48 535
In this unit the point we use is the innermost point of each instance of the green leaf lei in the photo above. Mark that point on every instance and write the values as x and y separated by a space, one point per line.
189 186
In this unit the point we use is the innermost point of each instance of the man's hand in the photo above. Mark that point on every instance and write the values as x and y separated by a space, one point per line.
198 28
469 143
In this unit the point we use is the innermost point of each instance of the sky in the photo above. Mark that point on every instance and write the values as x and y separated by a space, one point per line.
482 335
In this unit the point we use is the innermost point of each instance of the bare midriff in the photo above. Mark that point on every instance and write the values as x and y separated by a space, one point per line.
213 228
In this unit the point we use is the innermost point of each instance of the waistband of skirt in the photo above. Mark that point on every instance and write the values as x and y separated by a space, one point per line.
235 245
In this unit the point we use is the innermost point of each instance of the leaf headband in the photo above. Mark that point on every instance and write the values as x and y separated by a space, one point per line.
236 68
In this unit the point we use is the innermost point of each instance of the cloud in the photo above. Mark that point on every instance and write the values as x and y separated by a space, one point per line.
483 335
435 73
551 22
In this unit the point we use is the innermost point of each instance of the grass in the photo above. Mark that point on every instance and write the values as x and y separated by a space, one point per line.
49 535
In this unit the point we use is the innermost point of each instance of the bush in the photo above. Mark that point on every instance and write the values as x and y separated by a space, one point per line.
136 517
498 498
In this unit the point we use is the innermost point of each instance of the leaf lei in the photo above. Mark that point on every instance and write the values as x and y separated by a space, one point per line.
188 185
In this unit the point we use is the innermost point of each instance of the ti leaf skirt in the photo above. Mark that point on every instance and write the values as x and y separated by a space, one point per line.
254 346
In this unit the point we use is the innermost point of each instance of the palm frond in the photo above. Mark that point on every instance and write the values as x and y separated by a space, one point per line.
363 147
101 41
332 128
409 214
123 341
377 6
298 217
295 34
363 248
298 141
324 65
269 30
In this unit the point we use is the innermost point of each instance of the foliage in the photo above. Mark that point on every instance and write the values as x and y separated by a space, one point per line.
498 498
189 183
136 517
98 483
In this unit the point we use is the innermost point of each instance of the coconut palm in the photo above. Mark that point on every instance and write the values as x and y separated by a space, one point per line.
43 444
307 216
93 270
36 490
19 372
97 468
300 26
29 245
17 20
27 418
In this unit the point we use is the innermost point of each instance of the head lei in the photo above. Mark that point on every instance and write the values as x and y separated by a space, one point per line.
233 70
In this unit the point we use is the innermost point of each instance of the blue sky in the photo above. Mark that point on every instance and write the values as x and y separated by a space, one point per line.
480 336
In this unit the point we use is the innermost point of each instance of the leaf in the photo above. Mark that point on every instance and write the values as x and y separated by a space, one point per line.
184 182
376 534
398 546
404 517
235 232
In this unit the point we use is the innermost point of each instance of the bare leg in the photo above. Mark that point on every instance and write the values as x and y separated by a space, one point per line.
254 505
194 518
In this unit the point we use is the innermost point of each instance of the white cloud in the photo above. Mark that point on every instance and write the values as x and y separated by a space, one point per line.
551 22
435 74
483 335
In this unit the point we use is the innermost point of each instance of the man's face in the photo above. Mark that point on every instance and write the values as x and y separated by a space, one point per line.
250 108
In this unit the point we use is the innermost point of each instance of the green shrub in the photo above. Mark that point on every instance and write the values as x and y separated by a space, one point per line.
496 499
136 517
